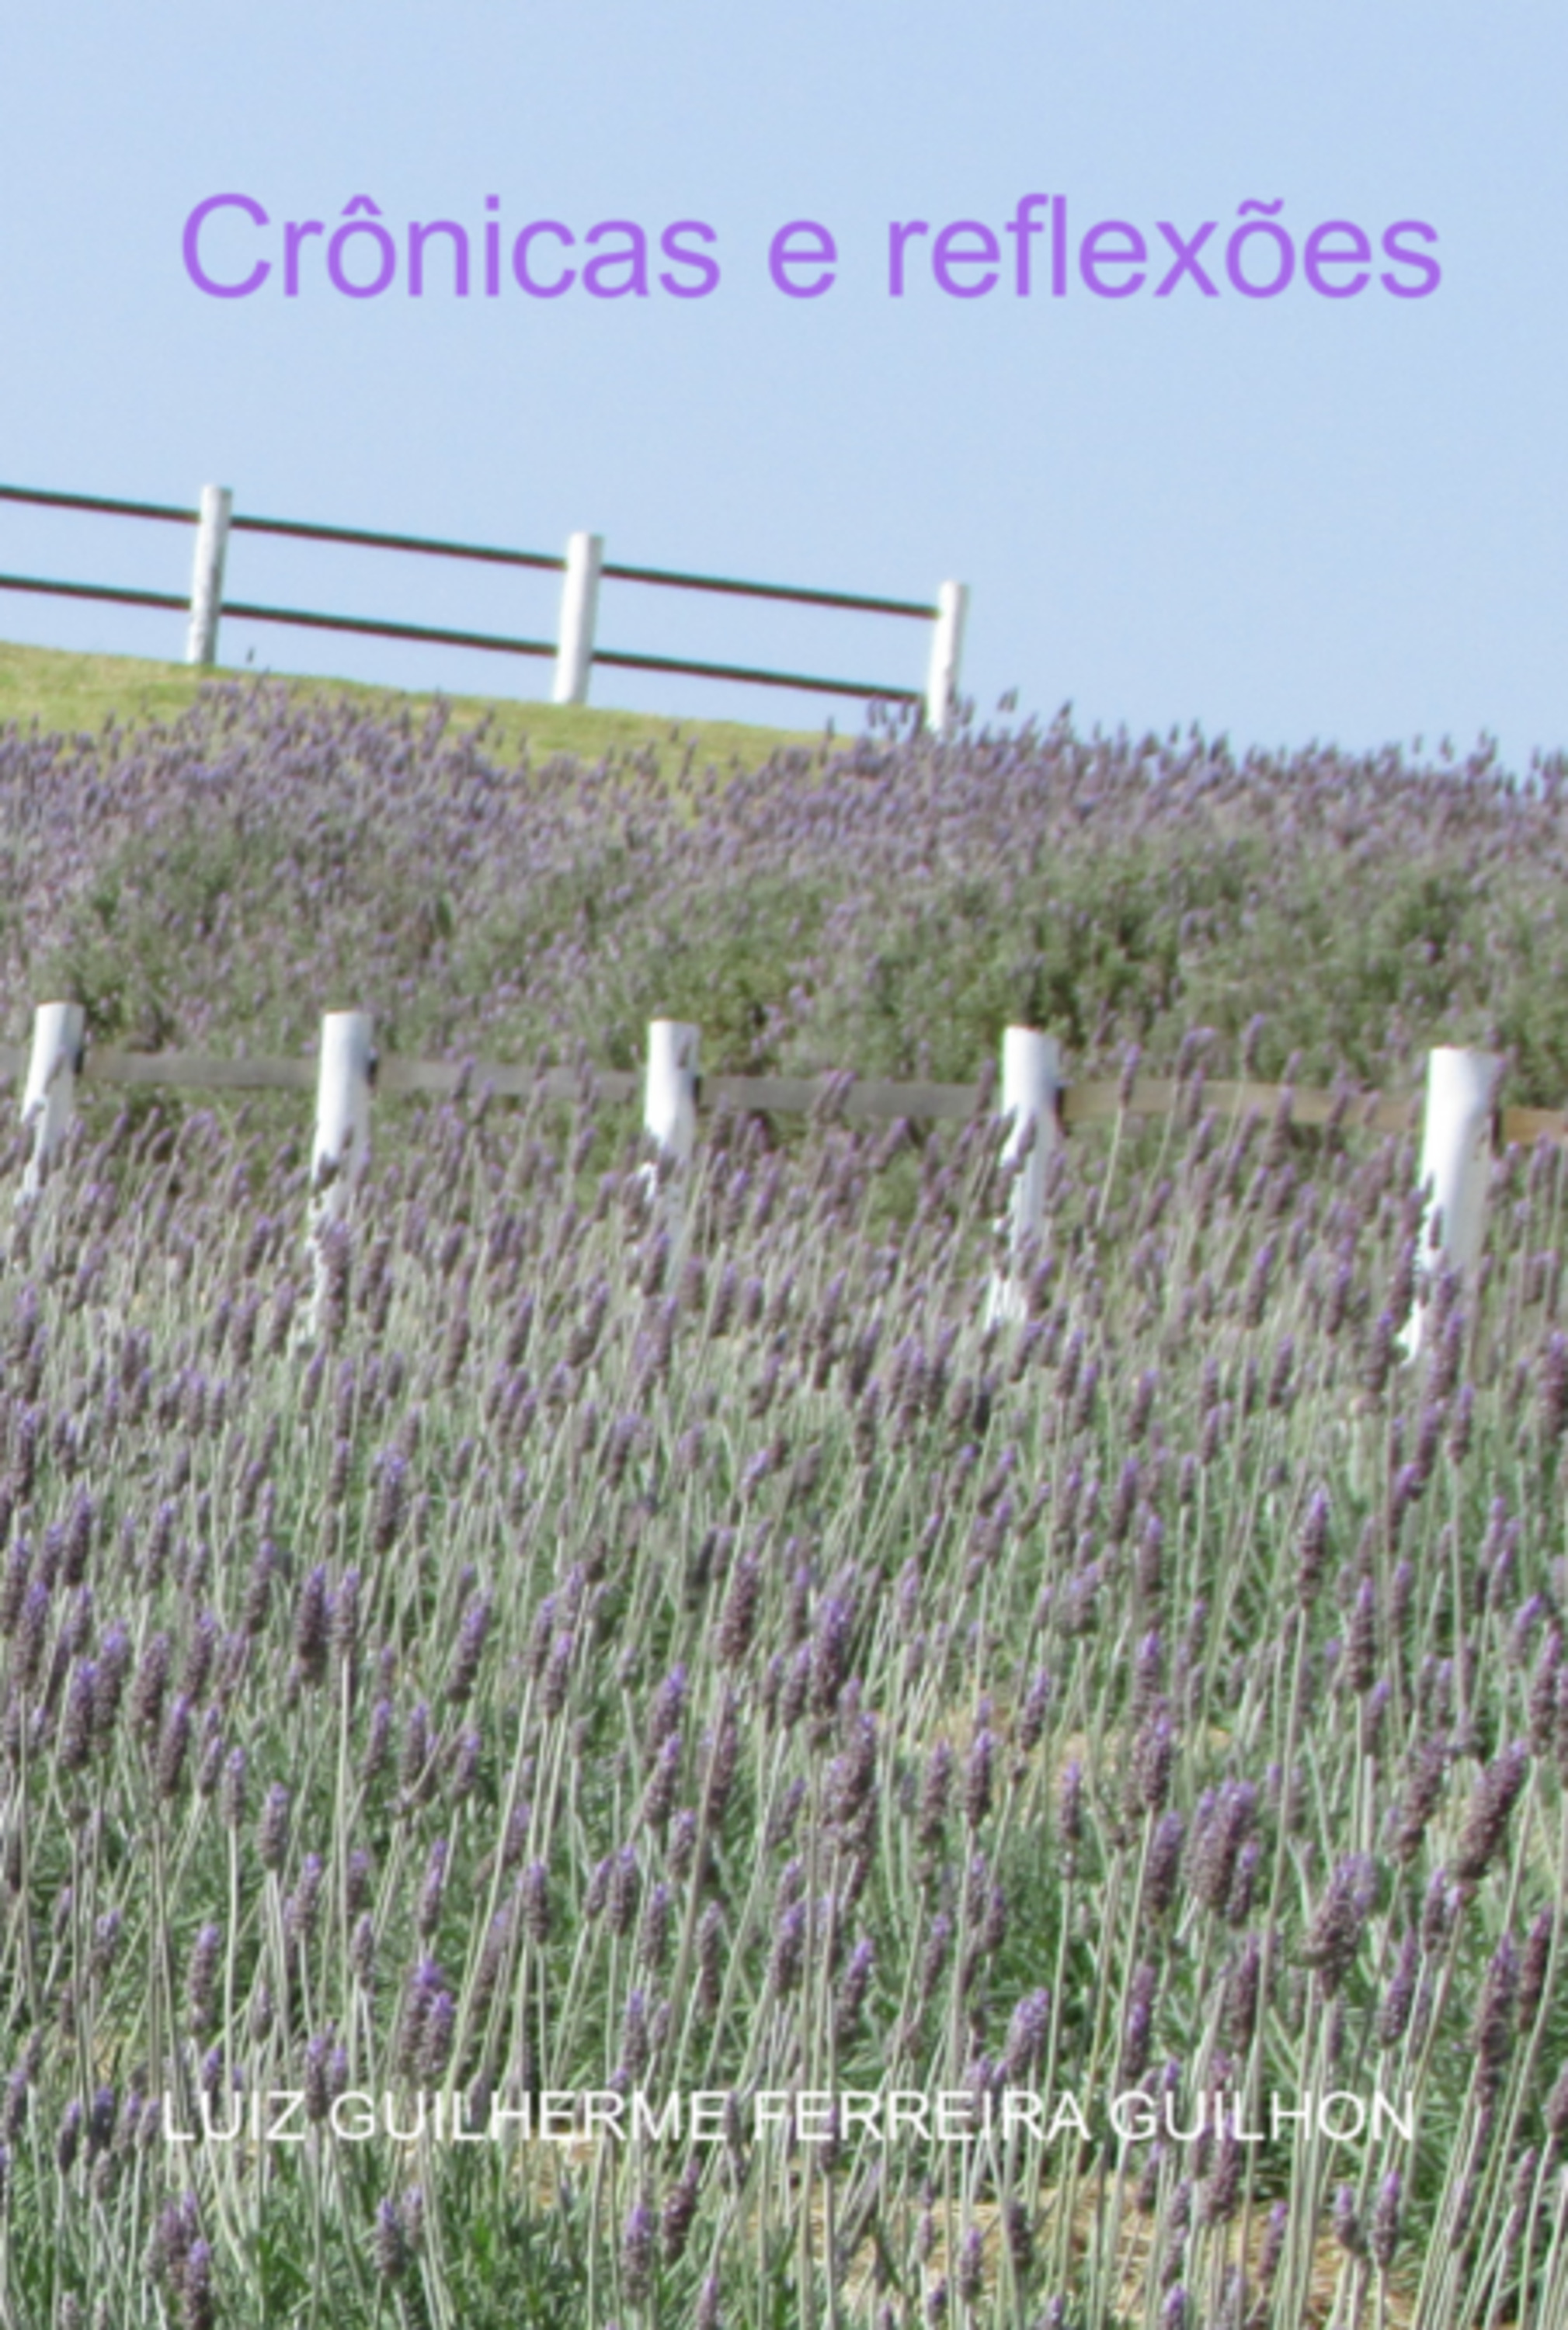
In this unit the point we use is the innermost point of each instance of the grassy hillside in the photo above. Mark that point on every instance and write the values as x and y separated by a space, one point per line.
71 693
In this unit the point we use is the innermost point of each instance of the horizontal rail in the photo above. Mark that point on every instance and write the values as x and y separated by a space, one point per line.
429 546
378 630
297 616
801 597
415 542
875 1100
197 1071
1096 1103
861 687
161 510
1526 1126
490 642
441 1078
93 590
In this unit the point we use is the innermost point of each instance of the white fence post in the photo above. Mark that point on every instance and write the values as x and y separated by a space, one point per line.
49 1095
669 1114
1455 1161
342 1150
946 654
669 1111
207 575
1031 1079
579 610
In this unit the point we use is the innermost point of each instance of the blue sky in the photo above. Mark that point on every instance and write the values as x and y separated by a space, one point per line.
1286 518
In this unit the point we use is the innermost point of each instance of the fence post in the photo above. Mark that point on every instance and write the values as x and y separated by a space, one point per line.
1455 1161
49 1095
669 1110
946 654
1031 1079
579 609
207 575
345 1065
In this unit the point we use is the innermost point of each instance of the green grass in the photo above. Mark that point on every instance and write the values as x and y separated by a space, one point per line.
73 693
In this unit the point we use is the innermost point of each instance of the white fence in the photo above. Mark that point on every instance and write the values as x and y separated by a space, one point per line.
1457 1116
575 650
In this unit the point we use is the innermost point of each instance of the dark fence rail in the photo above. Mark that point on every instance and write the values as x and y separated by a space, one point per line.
877 1100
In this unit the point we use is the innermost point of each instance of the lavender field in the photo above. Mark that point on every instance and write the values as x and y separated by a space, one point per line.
660 1771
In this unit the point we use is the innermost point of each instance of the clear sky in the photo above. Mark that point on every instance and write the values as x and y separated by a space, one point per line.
1287 517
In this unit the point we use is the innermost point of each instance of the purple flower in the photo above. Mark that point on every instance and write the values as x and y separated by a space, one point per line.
1243 1983
785 1959
1486 1819
1492 2033
934 1793
534 1892
1339 1920
471 1634
147 1706
273 1843
1312 1547
198 2303
74 1743
312 1627
1150 1763
625 1892
1137 2027
1347 2219
201 1977
1163 1864
679 2209
173 1748
390 2248
663 1782
711 1958
1395 2009
432 1891
978 1777
1382 2234
1026 2035
639 2235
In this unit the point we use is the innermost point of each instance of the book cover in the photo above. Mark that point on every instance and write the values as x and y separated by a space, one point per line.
781 1379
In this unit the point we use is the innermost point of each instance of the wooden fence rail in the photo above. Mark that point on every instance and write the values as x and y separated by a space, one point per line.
877 1100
